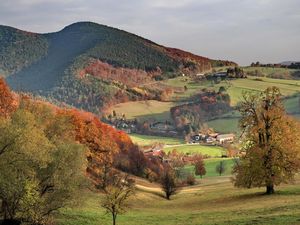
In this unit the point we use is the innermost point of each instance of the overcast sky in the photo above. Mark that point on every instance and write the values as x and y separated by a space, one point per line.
238 30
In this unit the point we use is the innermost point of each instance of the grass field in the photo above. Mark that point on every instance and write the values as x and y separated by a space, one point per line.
224 125
214 201
150 109
192 87
268 71
229 125
210 166
161 110
143 140
292 105
213 151
238 86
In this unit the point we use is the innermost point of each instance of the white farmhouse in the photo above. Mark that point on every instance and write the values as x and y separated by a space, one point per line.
223 138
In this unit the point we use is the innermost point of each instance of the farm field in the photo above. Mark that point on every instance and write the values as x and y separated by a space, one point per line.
150 109
213 201
224 125
237 87
270 71
292 105
212 151
160 111
143 140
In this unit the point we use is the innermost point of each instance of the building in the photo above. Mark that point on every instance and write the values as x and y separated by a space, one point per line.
197 138
225 138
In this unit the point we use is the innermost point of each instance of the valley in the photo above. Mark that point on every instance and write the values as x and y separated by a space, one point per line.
118 112
227 123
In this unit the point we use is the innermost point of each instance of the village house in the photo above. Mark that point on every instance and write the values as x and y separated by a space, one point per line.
126 126
197 138
225 138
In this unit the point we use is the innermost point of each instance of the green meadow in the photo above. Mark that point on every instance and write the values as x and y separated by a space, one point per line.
160 111
210 166
143 140
213 201
211 151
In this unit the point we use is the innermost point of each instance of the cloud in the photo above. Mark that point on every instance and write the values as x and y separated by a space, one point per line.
240 30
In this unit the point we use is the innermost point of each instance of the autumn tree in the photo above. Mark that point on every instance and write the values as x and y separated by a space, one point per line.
99 140
221 167
168 183
7 101
39 174
117 196
176 161
200 167
271 142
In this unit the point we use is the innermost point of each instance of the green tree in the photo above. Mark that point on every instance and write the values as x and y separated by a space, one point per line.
38 175
23 149
271 142
221 167
222 89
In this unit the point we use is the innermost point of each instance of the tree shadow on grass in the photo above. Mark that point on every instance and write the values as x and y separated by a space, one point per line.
261 194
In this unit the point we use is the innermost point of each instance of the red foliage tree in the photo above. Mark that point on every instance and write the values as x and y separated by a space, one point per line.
7 101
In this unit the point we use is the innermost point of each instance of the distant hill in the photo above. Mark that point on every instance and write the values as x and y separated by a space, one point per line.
288 63
88 65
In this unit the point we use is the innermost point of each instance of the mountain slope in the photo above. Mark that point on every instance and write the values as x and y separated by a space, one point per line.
19 49
88 65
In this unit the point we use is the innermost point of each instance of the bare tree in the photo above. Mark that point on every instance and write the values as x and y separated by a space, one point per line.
117 196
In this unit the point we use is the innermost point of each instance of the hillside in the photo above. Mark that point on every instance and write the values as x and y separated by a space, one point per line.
88 65
213 201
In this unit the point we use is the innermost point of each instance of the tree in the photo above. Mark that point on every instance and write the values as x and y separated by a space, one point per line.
7 101
271 142
222 89
220 167
200 167
38 174
176 161
23 149
117 196
168 183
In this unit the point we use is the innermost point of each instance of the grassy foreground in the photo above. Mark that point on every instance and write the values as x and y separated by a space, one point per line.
214 201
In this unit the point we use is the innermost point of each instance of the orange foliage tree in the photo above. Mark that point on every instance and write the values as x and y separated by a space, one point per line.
7 100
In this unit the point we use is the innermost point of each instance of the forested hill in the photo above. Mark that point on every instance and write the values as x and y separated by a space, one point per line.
87 64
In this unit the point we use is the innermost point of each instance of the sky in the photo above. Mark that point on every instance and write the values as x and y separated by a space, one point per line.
243 31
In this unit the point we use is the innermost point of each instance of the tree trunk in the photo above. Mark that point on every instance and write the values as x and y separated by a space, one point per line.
4 210
168 196
114 219
270 189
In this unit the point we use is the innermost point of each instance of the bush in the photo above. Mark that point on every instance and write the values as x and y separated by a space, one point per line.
190 180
